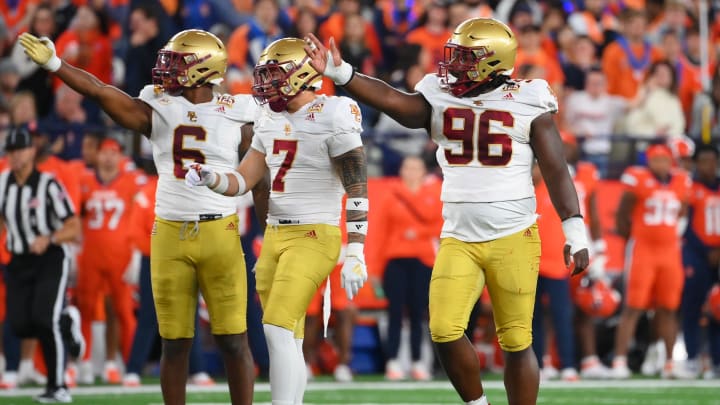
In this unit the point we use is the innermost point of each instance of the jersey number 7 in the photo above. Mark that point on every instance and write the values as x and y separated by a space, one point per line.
290 147
463 125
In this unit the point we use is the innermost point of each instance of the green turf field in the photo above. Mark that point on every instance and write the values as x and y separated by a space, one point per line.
634 392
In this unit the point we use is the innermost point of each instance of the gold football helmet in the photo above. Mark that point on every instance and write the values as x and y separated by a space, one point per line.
191 58
478 50
282 72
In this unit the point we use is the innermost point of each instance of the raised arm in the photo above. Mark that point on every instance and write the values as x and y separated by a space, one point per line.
548 149
410 110
126 111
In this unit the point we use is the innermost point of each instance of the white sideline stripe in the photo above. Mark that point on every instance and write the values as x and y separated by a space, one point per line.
382 385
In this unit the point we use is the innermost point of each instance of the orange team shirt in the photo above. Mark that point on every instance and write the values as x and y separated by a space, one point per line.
94 55
13 17
655 215
586 179
705 204
334 27
408 224
553 72
621 79
552 261
106 211
432 42
142 216
67 175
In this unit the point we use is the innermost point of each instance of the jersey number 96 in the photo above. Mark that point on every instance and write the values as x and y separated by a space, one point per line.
491 149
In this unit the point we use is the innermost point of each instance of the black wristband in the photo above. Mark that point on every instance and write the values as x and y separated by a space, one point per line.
574 216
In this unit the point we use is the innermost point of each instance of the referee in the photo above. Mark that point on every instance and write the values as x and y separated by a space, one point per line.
38 216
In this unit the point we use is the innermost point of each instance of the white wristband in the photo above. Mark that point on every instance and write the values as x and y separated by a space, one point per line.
222 185
357 204
340 75
599 246
242 185
53 64
355 249
360 227
575 234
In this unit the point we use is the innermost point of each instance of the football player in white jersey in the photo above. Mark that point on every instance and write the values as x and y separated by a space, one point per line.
195 242
489 128
311 144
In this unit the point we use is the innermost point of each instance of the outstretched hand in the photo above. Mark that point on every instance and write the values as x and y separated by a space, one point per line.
40 50
328 62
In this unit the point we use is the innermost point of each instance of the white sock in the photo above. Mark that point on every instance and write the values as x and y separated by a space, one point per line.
26 366
302 373
283 360
480 401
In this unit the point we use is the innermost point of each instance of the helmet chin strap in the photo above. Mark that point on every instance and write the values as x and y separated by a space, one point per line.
278 105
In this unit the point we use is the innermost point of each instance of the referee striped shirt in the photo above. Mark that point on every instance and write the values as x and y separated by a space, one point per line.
37 208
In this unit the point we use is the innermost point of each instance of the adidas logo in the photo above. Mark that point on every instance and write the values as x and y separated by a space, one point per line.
357 203
359 226
508 96
311 234
528 233
231 227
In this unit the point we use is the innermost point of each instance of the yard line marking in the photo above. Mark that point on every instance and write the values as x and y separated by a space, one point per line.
382 385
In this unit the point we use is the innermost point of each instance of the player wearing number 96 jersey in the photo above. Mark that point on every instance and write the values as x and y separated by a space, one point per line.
652 214
489 128
195 245
311 145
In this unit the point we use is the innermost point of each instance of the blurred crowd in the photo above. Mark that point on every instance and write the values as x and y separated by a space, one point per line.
620 68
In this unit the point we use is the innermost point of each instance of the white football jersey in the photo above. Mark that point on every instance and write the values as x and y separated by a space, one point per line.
485 155
298 148
182 133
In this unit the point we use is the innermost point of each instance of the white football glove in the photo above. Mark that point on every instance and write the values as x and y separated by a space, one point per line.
354 271
199 175
598 260
132 271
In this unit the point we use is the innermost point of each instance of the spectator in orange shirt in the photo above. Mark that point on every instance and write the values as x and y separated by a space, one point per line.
247 42
86 44
334 27
410 217
595 21
17 14
627 59
432 34
530 52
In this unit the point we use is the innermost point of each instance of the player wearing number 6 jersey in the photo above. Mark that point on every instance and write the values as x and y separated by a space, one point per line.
194 244
312 146
652 214
489 129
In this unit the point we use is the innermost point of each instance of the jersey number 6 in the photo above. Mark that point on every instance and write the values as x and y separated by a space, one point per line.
181 154
461 125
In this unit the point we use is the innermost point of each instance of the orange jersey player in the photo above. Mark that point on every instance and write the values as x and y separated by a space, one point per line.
651 213
107 196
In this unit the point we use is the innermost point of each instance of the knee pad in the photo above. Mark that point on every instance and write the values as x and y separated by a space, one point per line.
443 330
514 339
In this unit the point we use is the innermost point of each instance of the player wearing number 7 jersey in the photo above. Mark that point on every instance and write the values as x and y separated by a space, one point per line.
194 245
489 129
652 214
312 146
